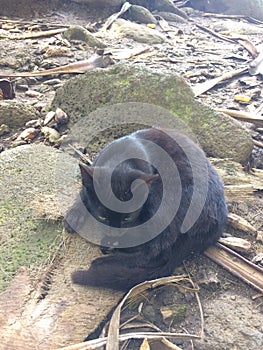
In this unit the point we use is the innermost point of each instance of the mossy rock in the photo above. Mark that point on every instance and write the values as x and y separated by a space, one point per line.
217 133
30 213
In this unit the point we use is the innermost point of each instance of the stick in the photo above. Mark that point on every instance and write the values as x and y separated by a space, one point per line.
201 88
245 116
34 35
237 265
84 66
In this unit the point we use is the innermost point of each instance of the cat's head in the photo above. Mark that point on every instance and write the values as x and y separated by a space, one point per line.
123 186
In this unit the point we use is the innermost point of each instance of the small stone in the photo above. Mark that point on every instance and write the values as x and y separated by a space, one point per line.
52 82
260 236
21 87
4 129
50 134
32 93
40 105
49 117
33 123
79 33
27 134
61 117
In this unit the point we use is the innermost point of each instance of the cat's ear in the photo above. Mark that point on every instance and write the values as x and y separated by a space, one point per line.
86 173
149 178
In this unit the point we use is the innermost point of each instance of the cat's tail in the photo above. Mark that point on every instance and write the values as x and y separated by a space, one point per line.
120 272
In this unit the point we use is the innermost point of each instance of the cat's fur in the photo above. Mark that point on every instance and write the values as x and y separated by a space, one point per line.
159 256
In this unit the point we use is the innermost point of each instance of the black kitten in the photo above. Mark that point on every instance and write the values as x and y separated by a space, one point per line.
178 188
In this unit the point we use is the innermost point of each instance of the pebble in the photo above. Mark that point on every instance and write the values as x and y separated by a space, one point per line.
4 129
53 82
49 117
27 134
40 105
34 123
32 93
50 134
61 117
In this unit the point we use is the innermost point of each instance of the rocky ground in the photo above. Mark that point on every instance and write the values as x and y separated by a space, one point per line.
232 310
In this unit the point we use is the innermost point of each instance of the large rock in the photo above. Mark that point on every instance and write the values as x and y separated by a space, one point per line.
15 114
218 134
41 307
137 32
79 33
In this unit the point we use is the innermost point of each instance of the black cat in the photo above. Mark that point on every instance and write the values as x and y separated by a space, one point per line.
178 188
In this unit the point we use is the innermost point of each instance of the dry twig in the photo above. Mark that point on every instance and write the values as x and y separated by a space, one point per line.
244 116
34 35
95 61
199 89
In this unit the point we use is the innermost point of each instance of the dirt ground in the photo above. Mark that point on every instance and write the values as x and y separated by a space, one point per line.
232 310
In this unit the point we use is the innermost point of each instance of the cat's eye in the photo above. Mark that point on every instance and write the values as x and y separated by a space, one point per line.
102 218
128 219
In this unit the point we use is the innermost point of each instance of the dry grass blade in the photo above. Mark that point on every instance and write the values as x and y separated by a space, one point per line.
114 338
199 89
114 326
245 116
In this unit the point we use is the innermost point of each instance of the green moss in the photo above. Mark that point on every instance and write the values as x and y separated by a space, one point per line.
24 241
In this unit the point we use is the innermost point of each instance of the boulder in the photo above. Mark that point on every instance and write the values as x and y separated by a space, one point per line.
40 306
128 85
